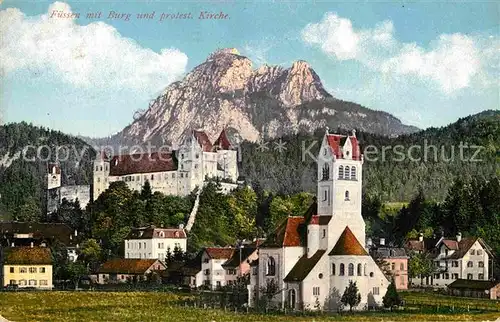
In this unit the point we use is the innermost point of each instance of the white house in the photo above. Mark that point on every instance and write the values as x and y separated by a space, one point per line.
455 258
313 257
154 243
172 173
213 273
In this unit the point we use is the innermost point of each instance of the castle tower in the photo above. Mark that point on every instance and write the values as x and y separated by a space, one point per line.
190 156
227 157
340 185
53 176
101 169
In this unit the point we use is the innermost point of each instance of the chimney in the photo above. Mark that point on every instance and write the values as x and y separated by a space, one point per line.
76 233
12 244
420 237
369 242
354 132
382 242
459 237
181 226
31 245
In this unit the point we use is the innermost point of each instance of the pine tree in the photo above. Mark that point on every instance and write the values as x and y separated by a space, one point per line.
351 296
391 297
146 191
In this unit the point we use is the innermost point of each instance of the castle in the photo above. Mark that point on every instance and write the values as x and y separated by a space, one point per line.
312 258
171 173
56 192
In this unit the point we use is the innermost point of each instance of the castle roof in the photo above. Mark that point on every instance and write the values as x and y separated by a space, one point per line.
203 141
142 163
336 141
348 244
219 252
222 141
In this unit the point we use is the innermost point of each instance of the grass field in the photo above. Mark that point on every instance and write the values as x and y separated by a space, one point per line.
150 306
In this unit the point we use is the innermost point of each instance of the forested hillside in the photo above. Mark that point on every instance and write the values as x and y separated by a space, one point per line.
25 151
388 175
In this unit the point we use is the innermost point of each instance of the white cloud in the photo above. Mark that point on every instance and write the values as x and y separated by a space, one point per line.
452 61
92 56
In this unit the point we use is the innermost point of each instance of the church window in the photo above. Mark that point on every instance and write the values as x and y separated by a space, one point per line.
341 172
316 291
152 177
320 275
182 175
96 169
342 269
324 151
353 173
197 155
182 156
324 233
333 269
371 274
347 195
359 269
347 173
326 172
351 269
271 267
101 167
376 291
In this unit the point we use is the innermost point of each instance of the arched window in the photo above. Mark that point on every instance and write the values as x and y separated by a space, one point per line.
351 269
333 268
292 298
347 173
359 269
341 172
271 267
342 269
353 173
326 172
347 195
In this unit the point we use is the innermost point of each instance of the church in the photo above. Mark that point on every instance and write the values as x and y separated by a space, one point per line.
312 258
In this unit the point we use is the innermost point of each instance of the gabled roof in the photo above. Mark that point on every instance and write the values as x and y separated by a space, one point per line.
222 141
39 231
203 141
153 232
128 265
27 256
337 141
234 261
286 234
348 244
464 245
473 284
219 252
450 244
303 267
142 163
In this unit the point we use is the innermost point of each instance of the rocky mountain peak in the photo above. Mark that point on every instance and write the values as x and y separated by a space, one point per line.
227 91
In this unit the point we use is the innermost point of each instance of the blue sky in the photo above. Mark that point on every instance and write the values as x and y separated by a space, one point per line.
427 63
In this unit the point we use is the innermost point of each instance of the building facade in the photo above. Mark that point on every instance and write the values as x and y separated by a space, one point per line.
121 270
458 258
154 243
172 173
213 273
27 267
57 192
312 258
396 263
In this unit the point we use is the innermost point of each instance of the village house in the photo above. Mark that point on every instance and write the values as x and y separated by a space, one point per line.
456 258
154 243
239 264
123 270
471 288
206 269
396 262
26 267
172 173
14 234
312 258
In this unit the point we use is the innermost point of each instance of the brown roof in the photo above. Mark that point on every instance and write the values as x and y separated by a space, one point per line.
463 247
153 232
415 244
348 244
39 231
128 265
304 266
287 234
28 256
451 244
219 252
222 141
203 140
473 284
142 163
320 220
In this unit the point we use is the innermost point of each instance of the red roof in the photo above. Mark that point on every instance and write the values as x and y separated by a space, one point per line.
287 234
219 252
451 244
203 140
142 163
348 244
336 141
129 266
222 141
